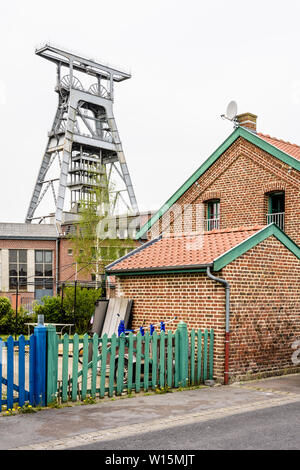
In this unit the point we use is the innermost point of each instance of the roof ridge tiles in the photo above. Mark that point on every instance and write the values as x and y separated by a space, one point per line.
277 139
243 228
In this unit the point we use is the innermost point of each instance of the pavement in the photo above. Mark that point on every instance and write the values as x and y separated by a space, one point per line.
109 420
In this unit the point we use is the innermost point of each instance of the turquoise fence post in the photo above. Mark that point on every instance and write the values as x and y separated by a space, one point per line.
52 364
40 365
183 354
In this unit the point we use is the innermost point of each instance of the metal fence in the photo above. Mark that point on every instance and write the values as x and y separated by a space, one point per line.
278 219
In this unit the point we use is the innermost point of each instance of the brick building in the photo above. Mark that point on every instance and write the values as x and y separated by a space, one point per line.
28 261
36 259
234 223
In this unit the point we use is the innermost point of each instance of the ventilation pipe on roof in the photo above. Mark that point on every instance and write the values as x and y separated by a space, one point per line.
227 321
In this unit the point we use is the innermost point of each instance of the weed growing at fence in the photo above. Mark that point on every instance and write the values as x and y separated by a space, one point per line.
54 404
89 401
26 409
165 389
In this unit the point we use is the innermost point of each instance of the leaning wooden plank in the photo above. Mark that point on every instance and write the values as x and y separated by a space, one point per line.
127 313
119 313
98 322
99 316
111 318
115 319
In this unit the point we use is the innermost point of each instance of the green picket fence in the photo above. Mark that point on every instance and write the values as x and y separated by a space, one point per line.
81 367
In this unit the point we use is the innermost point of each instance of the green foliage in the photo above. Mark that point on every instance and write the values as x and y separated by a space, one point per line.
26 409
55 312
5 307
85 306
89 400
50 308
93 244
9 323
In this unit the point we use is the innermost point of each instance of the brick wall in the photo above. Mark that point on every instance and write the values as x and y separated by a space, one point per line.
265 310
240 178
193 298
67 264
27 244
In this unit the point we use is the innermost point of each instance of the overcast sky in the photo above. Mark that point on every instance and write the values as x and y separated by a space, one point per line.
188 59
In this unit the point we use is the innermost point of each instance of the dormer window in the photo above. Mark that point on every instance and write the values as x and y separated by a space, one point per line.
212 221
276 208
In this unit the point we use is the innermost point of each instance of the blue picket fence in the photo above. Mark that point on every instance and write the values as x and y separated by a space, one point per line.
22 370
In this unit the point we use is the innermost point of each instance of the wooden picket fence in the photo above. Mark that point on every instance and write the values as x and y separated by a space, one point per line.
22 370
78 368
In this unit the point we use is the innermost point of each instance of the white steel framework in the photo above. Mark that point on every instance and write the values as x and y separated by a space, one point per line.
84 139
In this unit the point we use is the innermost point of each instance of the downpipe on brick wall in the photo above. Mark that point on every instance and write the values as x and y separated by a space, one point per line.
227 321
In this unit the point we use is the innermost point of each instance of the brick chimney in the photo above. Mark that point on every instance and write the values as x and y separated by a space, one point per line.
247 120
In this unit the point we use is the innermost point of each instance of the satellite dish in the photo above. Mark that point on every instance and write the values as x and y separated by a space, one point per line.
231 110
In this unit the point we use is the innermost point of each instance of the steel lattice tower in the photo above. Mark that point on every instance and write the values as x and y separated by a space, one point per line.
84 138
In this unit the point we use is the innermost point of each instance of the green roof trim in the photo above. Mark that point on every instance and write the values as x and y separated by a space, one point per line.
156 271
254 240
239 132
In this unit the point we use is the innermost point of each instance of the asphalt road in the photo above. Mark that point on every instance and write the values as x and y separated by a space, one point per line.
276 428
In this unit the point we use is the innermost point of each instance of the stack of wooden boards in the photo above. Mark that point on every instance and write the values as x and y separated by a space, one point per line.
109 313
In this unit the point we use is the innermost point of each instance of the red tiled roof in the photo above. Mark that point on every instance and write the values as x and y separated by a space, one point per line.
292 149
176 250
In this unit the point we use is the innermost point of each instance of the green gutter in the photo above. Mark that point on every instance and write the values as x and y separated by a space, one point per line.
252 241
239 132
158 271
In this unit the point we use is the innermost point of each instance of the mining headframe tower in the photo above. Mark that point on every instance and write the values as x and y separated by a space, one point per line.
84 143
